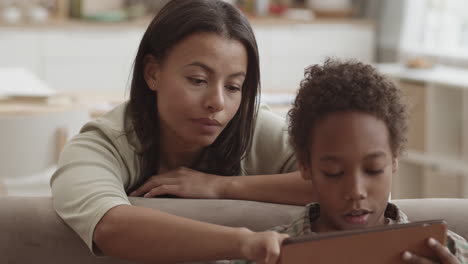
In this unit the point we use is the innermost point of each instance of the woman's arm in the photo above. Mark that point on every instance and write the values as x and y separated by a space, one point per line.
150 236
270 165
89 195
287 188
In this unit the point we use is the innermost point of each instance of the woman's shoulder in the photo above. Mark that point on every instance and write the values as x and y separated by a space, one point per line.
112 121
110 130
270 152
266 118
103 143
114 126
270 126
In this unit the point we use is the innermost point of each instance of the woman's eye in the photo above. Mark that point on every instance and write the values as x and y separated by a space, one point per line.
233 88
196 81
332 175
374 172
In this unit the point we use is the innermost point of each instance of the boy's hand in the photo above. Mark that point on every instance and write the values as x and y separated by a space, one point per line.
445 257
263 248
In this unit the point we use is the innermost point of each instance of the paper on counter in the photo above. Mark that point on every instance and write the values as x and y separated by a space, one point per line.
21 82
277 98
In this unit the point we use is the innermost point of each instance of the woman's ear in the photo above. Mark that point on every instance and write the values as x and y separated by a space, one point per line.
151 71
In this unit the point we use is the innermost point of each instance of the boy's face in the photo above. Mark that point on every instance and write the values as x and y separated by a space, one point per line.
351 170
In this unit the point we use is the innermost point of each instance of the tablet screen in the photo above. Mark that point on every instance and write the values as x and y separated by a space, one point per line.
383 245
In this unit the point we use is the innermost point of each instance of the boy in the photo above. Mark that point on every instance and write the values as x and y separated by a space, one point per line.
348 127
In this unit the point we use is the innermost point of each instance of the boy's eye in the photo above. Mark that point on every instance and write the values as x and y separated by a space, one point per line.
374 172
332 175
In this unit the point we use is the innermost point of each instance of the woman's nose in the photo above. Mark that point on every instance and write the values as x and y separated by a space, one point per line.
215 99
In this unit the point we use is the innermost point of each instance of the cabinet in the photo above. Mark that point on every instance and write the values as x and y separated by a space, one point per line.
436 162
21 49
85 60
80 56
286 50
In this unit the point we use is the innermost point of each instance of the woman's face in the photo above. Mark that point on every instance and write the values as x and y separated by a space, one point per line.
352 166
199 87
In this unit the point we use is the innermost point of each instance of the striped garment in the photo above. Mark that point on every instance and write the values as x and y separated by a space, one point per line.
302 226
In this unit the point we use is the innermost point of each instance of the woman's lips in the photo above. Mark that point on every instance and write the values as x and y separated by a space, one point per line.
208 121
207 125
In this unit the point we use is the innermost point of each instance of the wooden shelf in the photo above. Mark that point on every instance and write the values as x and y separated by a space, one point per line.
437 162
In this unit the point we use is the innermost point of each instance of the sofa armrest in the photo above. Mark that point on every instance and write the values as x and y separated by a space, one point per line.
31 231
454 211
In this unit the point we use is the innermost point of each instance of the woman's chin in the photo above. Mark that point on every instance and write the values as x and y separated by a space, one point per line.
203 141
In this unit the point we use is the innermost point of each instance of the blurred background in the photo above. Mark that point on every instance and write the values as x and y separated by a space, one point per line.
64 62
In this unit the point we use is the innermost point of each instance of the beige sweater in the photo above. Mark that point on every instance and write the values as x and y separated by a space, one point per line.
99 165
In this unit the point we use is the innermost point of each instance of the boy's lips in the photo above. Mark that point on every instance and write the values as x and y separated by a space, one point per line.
357 216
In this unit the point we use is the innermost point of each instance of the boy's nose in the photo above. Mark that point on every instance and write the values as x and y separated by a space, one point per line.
355 189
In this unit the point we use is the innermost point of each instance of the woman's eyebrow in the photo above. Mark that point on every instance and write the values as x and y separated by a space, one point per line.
211 70
201 65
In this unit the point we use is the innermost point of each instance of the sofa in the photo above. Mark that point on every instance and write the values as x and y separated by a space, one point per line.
31 231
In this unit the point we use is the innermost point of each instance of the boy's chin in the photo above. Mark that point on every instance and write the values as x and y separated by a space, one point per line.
341 224
353 227
347 224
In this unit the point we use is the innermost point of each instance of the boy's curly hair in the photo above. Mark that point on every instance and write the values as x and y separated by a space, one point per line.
345 86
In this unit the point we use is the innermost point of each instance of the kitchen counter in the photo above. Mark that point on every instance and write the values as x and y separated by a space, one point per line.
98 103
438 74
94 102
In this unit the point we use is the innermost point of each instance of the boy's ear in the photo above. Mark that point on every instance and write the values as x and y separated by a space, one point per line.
395 164
151 71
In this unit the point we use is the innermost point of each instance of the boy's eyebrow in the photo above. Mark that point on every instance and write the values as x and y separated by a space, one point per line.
330 158
377 154
210 70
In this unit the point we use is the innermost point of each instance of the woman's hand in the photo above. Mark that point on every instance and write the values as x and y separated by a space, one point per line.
183 182
445 257
263 247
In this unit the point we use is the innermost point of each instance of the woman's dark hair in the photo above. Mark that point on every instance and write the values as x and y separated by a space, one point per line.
177 20
345 86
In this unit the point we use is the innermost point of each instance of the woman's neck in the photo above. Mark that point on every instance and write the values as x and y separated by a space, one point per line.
175 153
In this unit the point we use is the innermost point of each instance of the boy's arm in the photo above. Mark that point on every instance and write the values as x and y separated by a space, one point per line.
455 251
458 246
295 228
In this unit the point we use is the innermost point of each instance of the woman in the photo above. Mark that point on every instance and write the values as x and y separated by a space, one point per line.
189 123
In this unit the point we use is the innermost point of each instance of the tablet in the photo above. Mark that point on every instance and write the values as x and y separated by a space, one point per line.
383 244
